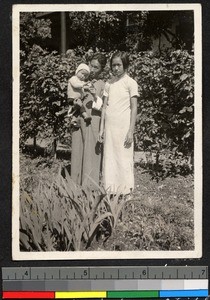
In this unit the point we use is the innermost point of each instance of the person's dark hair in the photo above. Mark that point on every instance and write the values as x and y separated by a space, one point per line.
101 59
123 56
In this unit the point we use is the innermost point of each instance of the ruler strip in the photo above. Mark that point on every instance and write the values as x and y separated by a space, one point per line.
104 282
79 273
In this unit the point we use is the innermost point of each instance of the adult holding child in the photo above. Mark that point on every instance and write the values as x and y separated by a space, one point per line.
86 150
76 89
117 127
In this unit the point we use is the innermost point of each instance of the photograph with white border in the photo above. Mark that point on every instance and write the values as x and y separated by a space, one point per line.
107 131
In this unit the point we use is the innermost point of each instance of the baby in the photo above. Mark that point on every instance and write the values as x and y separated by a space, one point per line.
76 87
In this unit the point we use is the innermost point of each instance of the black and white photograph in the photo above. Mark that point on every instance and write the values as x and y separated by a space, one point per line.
107 131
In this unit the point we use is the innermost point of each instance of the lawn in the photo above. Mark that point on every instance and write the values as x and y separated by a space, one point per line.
159 215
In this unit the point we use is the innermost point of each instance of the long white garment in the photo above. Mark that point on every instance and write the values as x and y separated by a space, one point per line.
118 172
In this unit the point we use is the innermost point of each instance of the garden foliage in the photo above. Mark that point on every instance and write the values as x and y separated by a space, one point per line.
165 123
131 30
43 94
65 217
33 31
56 217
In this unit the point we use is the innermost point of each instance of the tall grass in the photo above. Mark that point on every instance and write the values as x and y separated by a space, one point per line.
63 216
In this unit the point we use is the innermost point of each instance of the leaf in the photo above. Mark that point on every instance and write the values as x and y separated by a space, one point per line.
183 110
24 241
183 77
57 103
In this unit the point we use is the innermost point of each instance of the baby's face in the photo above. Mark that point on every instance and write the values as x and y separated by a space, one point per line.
83 75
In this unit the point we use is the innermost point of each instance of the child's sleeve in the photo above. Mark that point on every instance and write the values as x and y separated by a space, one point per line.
76 82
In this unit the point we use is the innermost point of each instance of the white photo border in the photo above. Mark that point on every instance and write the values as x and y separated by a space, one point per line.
93 255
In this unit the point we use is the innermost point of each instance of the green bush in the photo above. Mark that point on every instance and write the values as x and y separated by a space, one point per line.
44 78
165 123
166 112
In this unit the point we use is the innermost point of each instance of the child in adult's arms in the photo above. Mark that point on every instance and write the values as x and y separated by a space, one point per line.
77 85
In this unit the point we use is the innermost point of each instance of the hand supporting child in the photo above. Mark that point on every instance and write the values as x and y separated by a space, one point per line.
88 87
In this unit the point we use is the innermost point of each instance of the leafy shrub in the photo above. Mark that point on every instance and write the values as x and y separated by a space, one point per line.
166 86
165 120
166 112
44 78
33 31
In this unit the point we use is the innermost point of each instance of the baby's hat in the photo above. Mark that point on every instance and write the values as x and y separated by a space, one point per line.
82 67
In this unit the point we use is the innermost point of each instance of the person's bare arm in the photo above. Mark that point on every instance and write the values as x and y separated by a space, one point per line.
101 130
129 136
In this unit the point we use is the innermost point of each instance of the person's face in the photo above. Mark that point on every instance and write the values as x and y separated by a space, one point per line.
117 67
95 68
83 75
